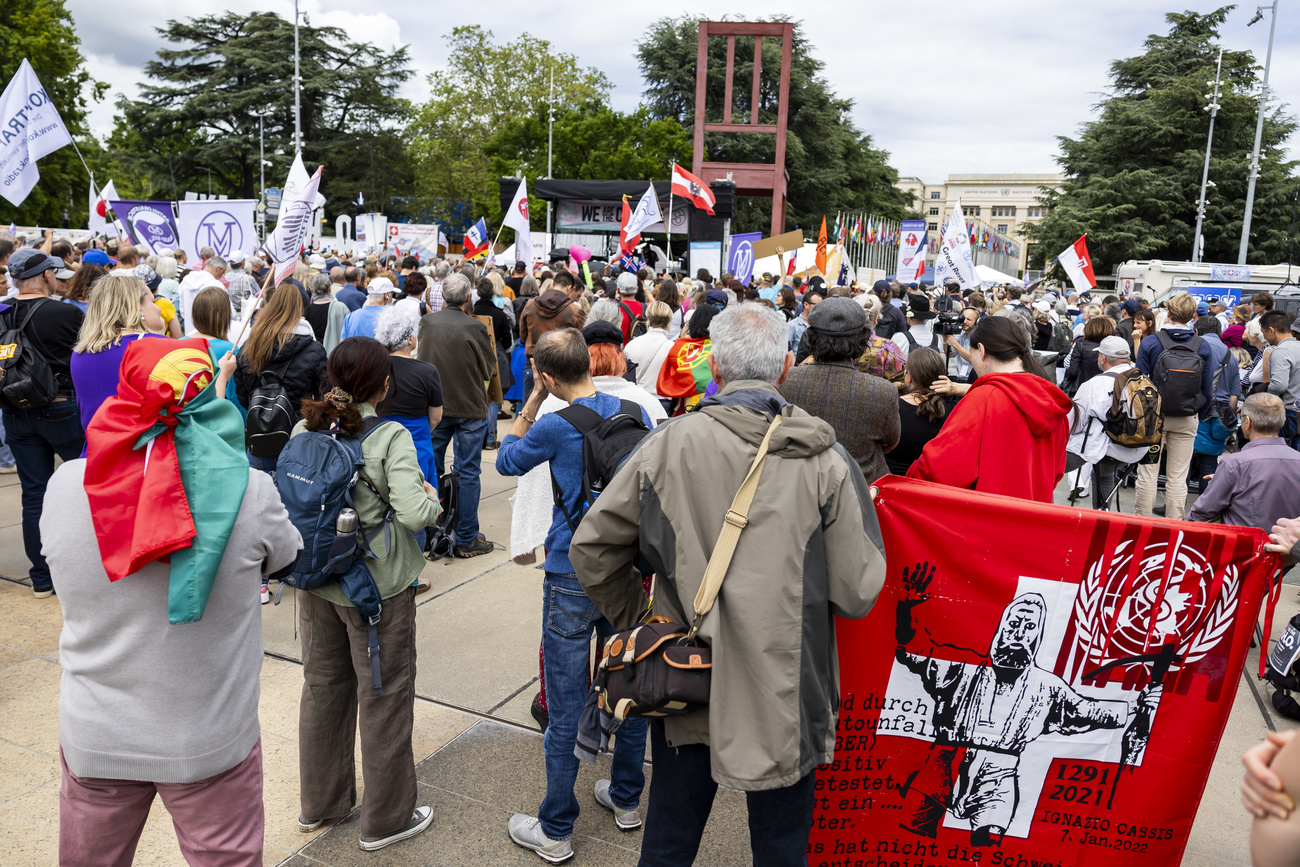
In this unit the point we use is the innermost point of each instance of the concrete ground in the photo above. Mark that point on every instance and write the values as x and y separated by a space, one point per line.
478 749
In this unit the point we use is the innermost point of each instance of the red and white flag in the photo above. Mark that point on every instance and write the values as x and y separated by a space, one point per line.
98 222
688 186
627 244
1078 264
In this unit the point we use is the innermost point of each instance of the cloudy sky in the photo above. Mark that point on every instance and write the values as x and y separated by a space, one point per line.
961 87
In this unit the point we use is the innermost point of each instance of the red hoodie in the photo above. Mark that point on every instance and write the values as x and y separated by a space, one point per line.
1006 436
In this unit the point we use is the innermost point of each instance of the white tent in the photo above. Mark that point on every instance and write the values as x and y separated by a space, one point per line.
989 276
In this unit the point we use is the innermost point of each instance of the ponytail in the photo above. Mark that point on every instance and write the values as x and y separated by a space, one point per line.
358 368
338 408
925 365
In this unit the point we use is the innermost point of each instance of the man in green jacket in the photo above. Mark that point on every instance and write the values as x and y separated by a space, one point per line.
811 551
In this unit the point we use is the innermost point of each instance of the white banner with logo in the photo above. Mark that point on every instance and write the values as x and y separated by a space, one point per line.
30 128
225 225
954 259
415 239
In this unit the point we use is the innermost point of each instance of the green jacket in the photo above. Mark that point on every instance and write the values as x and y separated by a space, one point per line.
393 468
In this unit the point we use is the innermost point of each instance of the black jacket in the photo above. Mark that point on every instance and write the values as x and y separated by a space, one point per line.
300 363
892 320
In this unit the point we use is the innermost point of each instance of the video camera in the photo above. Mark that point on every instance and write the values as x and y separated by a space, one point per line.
948 322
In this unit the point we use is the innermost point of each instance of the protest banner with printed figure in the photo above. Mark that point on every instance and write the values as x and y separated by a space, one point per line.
30 128
911 250
225 225
1055 703
150 225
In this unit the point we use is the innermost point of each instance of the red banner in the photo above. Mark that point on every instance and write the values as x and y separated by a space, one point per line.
1037 686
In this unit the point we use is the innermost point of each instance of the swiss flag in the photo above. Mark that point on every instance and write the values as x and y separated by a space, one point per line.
1078 264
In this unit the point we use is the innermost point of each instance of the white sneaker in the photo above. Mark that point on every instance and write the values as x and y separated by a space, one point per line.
626 820
527 831
420 819
266 593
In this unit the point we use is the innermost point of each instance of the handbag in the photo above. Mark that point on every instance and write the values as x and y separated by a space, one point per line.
660 668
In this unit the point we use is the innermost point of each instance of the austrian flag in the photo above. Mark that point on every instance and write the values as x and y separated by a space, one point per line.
688 186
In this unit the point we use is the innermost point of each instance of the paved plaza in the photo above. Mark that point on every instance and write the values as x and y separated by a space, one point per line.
478 749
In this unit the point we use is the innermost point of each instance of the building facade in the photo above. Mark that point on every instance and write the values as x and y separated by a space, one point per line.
1004 202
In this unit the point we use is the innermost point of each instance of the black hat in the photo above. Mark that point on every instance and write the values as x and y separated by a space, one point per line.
918 307
836 316
601 331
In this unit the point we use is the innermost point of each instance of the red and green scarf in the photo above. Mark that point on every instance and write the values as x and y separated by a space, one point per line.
166 471
686 369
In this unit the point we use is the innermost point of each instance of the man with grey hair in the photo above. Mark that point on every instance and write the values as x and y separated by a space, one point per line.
1259 485
456 343
810 535
629 308
433 297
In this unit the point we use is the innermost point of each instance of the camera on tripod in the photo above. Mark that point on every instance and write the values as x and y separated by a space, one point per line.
948 322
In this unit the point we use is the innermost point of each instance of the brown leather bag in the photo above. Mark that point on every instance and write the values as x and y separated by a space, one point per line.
660 668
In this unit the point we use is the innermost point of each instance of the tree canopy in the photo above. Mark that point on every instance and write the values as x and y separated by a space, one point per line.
1134 174
41 32
201 112
832 164
485 87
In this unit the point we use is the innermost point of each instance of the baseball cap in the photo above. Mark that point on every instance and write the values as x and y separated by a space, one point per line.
1114 347
65 274
837 315
96 257
601 331
236 257
29 262
1132 305
717 298
1202 308
381 286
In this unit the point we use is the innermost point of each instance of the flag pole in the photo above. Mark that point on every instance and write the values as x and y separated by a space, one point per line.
668 223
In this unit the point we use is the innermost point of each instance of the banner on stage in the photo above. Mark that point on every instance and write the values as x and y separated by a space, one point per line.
416 239
225 225
740 258
911 251
1057 703
591 215
30 128
150 224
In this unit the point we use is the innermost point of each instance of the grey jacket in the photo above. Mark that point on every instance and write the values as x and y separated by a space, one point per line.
812 551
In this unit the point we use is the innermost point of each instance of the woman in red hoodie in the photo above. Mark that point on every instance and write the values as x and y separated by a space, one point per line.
1008 434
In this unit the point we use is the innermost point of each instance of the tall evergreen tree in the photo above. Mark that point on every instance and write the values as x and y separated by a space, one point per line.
832 164
200 112
1134 174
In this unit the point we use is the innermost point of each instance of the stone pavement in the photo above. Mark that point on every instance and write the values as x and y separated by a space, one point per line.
478 748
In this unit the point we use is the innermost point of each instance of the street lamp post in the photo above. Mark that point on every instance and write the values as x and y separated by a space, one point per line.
1259 132
261 165
1198 248
297 85
550 138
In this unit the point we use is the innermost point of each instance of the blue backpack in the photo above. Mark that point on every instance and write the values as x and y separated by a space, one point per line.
317 474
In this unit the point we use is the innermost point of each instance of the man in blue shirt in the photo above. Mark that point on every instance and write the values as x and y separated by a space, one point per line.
561 366
362 322
347 293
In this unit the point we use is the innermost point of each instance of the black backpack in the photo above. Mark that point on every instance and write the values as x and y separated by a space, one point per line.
640 325
1177 375
271 414
440 540
26 377
606 443
912 342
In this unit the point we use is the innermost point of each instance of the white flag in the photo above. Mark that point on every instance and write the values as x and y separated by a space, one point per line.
954 259
30 128
295 221
297 180
517 219
645 215
99 207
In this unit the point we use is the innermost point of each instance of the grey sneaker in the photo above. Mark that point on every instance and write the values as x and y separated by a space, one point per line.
420 820
626 820
527 831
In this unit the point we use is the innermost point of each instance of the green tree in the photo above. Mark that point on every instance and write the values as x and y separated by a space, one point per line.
832 164
200 113
485 86
41 32
591 143
1134 173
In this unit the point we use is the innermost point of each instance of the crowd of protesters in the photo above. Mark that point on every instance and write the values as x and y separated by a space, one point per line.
997 389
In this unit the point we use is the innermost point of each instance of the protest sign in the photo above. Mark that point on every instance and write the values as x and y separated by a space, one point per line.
416 239
740 259
30 128
911 251
1056 703
285 242
150 225
778 244
225 225
954 259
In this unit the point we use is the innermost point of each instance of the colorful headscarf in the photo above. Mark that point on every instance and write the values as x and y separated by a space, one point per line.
685 372
166 471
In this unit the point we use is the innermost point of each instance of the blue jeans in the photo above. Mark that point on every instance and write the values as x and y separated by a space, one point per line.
681 796
6 456
569 620
468 433
36 436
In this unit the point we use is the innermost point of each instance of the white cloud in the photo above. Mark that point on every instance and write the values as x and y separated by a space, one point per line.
959 87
